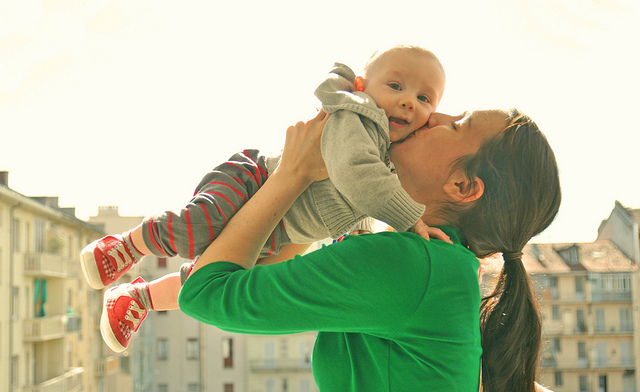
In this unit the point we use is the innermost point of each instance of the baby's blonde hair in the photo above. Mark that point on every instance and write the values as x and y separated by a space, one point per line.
418 50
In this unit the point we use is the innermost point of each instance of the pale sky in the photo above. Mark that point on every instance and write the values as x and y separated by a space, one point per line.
129 103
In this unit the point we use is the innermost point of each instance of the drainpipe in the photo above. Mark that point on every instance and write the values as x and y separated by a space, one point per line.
636 243
203 356
12 235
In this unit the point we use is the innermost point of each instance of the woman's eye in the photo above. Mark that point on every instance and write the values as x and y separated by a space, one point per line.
423 98
394 86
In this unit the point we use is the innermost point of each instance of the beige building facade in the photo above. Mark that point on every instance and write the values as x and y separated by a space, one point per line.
586 296
189 356
49 338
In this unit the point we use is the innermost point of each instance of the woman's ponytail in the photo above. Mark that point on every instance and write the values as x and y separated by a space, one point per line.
511 332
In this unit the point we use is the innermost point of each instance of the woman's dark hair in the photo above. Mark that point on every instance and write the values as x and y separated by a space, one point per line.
521 198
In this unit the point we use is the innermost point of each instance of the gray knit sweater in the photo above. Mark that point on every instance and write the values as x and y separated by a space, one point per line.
355 144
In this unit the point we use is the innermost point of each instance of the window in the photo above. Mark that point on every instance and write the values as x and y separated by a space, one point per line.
600 322
269 354
555 312
162 349
193 388
626 322
579 287
584 386
305 385
270 385
612 282
554 287
284 348
581 325
626 353
557 345
582 354
162 262
600 354
602 383
193 348
125 364
574 256
559 380
227 352
228 388
14 371
629 381
15 302
15 228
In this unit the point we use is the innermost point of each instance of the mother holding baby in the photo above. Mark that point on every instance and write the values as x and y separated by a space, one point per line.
394 311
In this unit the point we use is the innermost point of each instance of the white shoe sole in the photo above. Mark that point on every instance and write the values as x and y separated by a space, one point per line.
90 268
105 329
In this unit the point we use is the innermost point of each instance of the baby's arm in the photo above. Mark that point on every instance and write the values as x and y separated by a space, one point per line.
355 166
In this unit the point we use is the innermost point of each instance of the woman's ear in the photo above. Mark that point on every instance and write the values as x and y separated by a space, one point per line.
359 83
462 189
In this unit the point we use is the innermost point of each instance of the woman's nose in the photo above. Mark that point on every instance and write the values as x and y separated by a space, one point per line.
441 118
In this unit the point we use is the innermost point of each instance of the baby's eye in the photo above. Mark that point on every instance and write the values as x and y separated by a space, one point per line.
423 98
394 86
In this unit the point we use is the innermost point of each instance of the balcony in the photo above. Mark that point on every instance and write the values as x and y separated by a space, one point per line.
70 381
611 296
555 363
105 366
50 265
48 328
280 365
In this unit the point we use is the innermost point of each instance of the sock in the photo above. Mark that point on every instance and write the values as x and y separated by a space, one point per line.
141 292
137 256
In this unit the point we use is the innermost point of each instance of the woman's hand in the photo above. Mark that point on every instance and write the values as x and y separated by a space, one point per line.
302 156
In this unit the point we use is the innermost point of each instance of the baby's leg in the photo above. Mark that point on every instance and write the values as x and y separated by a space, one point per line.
221 192
164 291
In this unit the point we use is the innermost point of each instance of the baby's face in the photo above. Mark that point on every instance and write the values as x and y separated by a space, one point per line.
408 87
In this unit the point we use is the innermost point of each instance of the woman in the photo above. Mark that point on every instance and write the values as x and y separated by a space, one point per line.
394 311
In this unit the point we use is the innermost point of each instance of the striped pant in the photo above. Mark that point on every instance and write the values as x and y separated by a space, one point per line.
220 194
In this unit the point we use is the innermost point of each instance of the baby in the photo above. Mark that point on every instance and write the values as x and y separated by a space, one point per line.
399 89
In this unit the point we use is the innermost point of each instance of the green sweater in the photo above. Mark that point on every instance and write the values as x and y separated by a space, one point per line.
394 312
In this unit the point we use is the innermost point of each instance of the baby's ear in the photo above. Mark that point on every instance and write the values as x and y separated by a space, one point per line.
359 83
462 189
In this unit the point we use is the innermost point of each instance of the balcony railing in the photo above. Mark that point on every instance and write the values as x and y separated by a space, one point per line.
52 327
610 296
105 366
70 381
48 264
556 363
279 365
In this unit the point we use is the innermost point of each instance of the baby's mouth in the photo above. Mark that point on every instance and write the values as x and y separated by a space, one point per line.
398 122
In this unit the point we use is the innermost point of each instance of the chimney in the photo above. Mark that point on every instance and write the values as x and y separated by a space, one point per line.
4 178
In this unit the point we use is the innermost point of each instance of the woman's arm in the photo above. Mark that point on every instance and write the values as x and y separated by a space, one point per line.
245 234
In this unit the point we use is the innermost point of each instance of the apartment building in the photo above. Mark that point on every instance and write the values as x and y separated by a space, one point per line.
585 291
622 229
49 339
189 356
171 351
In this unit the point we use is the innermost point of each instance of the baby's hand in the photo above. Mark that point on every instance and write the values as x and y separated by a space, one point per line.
421 229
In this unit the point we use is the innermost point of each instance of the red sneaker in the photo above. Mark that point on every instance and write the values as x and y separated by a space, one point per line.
105 260
122 315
